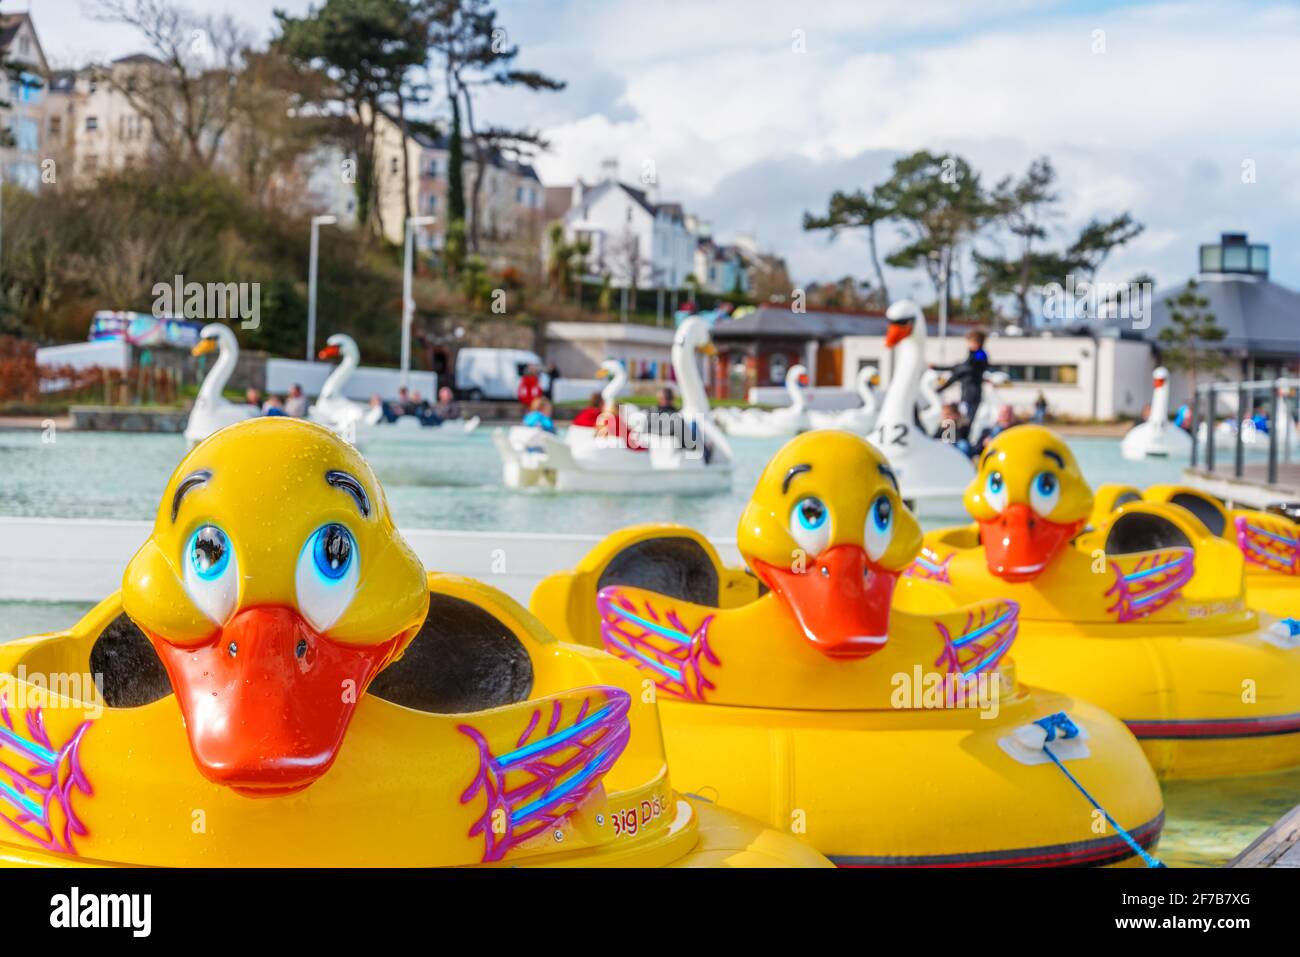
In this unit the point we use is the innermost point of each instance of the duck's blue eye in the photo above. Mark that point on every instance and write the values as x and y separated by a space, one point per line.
995 482
811 513
332 550
209 552
882 514
1045 483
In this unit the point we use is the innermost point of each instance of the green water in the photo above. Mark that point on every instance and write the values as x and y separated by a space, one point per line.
1207 823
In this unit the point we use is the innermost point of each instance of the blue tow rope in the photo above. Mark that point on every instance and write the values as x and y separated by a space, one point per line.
1061 722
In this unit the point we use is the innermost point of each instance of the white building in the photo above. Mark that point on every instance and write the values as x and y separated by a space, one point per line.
1082 377
633 238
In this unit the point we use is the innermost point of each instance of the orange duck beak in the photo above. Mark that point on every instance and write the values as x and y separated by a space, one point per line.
329 352
840 600
1018 544
268 700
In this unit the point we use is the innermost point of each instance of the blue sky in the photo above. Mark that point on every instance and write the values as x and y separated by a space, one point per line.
747 130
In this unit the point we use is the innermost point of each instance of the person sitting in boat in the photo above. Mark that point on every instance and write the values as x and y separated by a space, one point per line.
589 415
1260 420
666 415
1183 417
273 406
446 407
611 425
253 396
970 375
1005 420
296 403
539 415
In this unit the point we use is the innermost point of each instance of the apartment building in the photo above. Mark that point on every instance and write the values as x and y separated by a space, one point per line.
511 198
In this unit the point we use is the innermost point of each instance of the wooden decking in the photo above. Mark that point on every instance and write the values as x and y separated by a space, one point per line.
1279 846
1252 489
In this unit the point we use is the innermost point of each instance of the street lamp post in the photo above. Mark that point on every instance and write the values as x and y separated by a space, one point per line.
316 223
408 302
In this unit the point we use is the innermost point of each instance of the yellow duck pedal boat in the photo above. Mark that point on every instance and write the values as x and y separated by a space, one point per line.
1269 543
796 695
279 683
1145 612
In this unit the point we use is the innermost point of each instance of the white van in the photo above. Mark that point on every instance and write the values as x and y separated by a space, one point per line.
494 373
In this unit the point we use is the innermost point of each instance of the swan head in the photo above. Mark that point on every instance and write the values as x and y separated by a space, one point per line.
215 337
274 587
338 345
1030 499
1160 377
610 368
904 317
693 336
827 532
796 377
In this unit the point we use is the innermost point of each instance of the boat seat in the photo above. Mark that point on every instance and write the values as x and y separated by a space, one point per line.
1211 517
1143 532
1125 498
462 660
678 567
131 671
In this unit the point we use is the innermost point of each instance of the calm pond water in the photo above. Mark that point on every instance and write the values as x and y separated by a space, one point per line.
457 485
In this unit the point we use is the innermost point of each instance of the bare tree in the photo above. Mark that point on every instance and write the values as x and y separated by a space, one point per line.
186 90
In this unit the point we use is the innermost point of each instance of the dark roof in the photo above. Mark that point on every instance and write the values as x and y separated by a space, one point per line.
674 210
1257 315
139 58
9 24
443 142
772 321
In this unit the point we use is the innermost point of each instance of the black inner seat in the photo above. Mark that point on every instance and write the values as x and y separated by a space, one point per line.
131 672
1123 498
462 660
677 567
1203 509
1143 532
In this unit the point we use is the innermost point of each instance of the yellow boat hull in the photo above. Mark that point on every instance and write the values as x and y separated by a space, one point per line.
826 776
1201 706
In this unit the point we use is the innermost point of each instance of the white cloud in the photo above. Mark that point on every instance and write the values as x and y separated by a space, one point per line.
751 133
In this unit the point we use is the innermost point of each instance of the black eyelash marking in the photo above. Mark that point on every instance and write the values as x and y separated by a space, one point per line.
188 484
789 476
349 484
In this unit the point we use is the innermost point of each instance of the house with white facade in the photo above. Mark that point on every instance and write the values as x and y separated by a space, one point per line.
634 239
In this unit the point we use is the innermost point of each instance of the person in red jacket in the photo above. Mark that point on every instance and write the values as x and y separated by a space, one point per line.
530 387
589 416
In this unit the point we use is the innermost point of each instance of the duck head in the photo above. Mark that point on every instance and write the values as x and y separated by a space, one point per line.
827 532
1030 500
274 587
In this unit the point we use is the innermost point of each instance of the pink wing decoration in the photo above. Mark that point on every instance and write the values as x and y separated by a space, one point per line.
989 631
1155 580
38 779
1272 545
658 641
549 773
928 567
